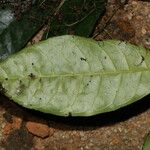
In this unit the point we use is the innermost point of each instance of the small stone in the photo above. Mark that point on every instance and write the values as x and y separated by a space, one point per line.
130 15
134 3
143 31
7 128
17 122
38 129
116 140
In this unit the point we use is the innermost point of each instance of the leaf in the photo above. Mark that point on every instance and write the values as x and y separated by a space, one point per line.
146 145
76 17
14 32
71 75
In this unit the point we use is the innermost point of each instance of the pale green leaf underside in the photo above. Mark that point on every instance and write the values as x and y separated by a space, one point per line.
78 76
146 145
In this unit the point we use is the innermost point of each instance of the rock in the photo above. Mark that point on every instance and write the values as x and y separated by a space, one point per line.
38 129
9 127
17 122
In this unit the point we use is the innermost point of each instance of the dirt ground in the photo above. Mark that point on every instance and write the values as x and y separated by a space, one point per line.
125 129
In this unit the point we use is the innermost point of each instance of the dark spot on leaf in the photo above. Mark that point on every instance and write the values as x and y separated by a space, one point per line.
20 88
69 114
40 98
32 76
105 57
87 84
91 76
142 59
83 59
32 64
73 53
6 79
90 81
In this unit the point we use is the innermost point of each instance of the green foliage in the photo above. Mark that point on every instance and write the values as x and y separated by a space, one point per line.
71 75
76 17
17 29
18 26
146 145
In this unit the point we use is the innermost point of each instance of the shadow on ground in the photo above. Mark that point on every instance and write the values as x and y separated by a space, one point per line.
71 123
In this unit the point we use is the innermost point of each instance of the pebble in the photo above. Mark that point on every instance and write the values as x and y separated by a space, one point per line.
38 129
143 31
8 127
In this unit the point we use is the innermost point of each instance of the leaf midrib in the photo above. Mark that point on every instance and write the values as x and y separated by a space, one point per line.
102 73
